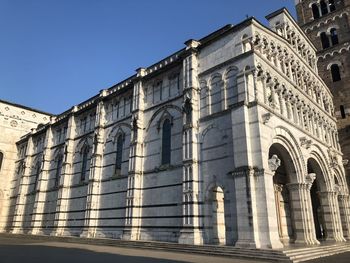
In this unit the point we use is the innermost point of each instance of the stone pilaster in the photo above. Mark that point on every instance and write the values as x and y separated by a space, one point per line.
191 232
23 190
247 225
65 180
133 214
39 205
331 216
93 195
344 207
304 228
266 205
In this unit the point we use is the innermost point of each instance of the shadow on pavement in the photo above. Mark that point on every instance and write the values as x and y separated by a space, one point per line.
38 254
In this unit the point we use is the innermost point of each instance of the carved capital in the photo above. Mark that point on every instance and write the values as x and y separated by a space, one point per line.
309 179
274 163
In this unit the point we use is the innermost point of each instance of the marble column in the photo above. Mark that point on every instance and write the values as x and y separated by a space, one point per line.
65 180
95 172
133 215
191 232
43 184
344 207
303 221
23 190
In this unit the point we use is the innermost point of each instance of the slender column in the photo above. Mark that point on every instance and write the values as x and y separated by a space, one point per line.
191 232
133 214
304 229
43 184
93 193
331 216
65 180
23 190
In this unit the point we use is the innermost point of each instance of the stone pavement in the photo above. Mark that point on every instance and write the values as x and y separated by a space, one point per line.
19 250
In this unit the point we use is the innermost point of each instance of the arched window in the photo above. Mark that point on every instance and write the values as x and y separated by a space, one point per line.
166 142
324 40
37 173
119 154
324 8
342 112
334 36
216 94
315 11
335 73
331 5
58 170
1 159
84 163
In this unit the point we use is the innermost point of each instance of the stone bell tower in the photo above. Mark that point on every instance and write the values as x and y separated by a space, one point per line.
327 24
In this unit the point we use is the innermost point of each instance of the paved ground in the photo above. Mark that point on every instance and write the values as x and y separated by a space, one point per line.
15 250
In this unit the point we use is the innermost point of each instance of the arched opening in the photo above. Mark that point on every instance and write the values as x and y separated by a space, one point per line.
331 5
119 155
342 112
335 71
284 176
84 163
58 170
317 188
217 228
315 11
216 94
166 142
334 36
324 40
1 159
324 8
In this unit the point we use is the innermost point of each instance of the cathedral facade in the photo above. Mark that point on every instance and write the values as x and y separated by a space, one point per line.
232 140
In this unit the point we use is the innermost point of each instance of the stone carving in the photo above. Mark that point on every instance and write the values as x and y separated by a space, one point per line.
266 117
337 189
310 178
187 108
304 142
274 163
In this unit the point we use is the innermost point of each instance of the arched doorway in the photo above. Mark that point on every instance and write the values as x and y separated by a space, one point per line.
216 216
317 187
283 177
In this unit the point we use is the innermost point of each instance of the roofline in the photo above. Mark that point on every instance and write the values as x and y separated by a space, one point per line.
285 10
25 107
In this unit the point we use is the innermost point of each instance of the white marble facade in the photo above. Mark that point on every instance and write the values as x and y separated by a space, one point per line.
231 140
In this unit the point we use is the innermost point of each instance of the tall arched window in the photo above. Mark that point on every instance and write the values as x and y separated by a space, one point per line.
324 40
1 159
58 170
84 163
335 73
342 112
324 8
119 154
315 11
37 173
331 5
166 142
334 36
216 94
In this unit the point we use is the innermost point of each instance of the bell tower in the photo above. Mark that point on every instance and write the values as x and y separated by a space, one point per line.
327 24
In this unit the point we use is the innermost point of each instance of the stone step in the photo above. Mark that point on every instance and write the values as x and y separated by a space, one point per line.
300 255
290 255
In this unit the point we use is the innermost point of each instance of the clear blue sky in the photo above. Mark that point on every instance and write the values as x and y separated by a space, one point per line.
57 53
